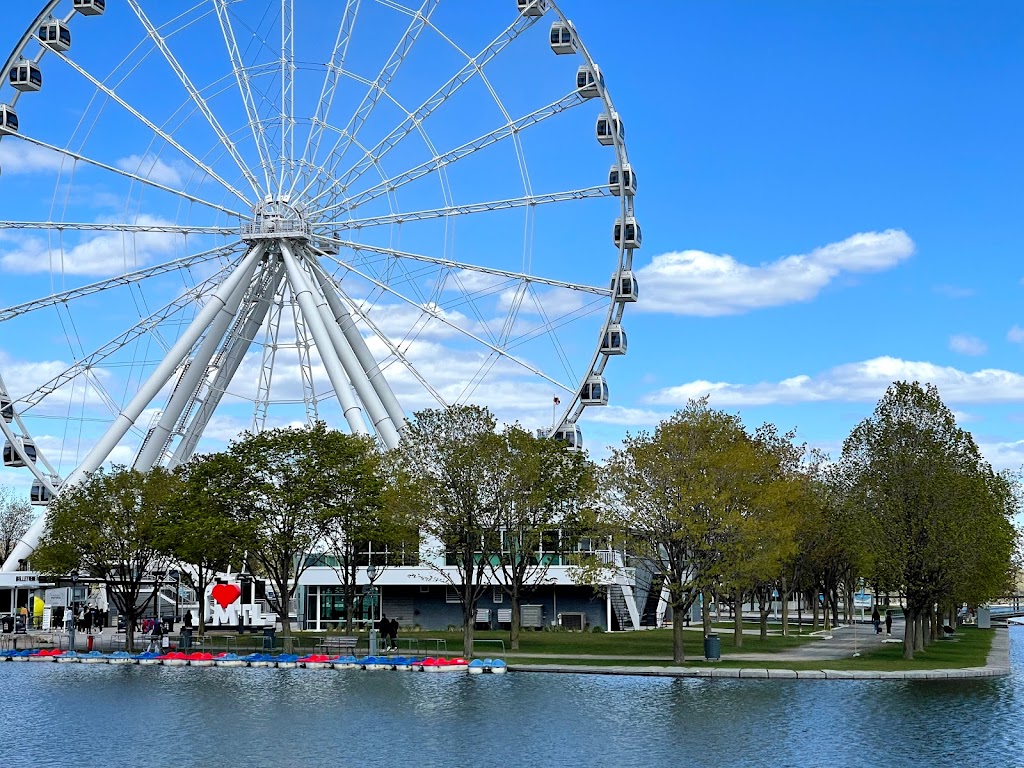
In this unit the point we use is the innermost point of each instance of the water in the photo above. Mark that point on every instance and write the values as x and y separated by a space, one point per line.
68 714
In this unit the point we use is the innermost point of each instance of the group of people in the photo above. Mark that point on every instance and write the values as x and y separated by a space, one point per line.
876 619
86 620
388 629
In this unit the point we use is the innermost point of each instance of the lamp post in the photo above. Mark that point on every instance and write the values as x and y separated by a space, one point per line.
371 574
74 613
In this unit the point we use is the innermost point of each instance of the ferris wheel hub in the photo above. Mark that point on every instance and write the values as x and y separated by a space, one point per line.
276 218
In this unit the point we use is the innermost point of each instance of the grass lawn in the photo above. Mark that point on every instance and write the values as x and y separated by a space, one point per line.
969 649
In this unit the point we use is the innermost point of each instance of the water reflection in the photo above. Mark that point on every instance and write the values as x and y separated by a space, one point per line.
262 717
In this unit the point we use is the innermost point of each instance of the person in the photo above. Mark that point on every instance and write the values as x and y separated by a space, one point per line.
156 638
383 627
888 622
876 620
393 634
186 630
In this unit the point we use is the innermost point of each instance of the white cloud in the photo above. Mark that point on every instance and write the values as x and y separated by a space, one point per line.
699 283
1015 334
152 168
864 381
966 344
22 157
105 254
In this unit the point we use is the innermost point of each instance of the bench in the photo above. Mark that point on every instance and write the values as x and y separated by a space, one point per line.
331 645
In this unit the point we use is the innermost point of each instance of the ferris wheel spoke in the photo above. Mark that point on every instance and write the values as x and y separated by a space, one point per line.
549 330
585 193
287 111
391 252
85 226
428 107
554 324
112 94
129 175
375 89
87 363
436 315
195 95
438 162
242 79
124 279
334 68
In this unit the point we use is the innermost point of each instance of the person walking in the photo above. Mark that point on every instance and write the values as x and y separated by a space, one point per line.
876 620
888 623
393 634
156 638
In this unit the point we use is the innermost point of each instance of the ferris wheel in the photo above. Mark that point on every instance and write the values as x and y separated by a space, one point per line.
237 214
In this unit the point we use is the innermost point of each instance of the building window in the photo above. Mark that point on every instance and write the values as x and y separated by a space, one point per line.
499 595
451 595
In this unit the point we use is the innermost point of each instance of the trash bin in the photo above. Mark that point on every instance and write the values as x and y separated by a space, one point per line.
269 638
712 648
168 624
121 625
7 624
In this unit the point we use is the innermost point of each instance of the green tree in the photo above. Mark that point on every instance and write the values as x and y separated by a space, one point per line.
544 506
288 486
110 526
944 515
15 518
450 480
203 529
677 498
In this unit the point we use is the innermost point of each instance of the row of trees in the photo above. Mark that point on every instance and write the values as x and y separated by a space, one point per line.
275 503
712 510
910 507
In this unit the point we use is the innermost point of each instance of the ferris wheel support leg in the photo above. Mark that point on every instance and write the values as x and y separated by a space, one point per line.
355 369
335 372
232 360
343 318
146 393
190 378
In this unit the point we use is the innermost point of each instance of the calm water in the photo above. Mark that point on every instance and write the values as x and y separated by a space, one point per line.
69 714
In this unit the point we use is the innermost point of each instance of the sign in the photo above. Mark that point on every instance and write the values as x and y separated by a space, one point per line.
57 598
224 606
862 600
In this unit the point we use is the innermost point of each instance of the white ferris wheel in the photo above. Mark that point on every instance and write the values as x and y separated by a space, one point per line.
232 214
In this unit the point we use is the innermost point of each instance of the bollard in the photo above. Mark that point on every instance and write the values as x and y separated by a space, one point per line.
89 643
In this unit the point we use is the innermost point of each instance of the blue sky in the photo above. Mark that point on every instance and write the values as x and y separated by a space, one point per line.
829 194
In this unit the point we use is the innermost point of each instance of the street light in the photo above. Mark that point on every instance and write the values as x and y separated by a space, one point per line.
371 574
74 612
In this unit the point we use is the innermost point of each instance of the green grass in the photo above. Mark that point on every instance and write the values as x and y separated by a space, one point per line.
969 649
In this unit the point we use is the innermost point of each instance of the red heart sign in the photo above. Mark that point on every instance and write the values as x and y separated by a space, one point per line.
225 594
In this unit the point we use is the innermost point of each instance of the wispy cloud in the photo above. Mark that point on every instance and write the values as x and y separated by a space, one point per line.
965 344
1015 334
707 284
152 168
864 381
21 157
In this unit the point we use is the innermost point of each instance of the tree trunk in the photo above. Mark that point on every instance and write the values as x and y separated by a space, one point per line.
678 654
514 626
908 634
784 596
919 630
816 623
705 613
467 629
737 619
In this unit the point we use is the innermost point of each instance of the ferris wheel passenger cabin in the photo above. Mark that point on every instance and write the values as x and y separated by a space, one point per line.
40 495
563 40
589 82
90 7
608 127
8 120
6 409
595 391
26 76
625 287
622 179
614 340
629 236
13 459
532 7
55 35
569 434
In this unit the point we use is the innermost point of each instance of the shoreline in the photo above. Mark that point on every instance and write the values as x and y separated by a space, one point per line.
997 664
